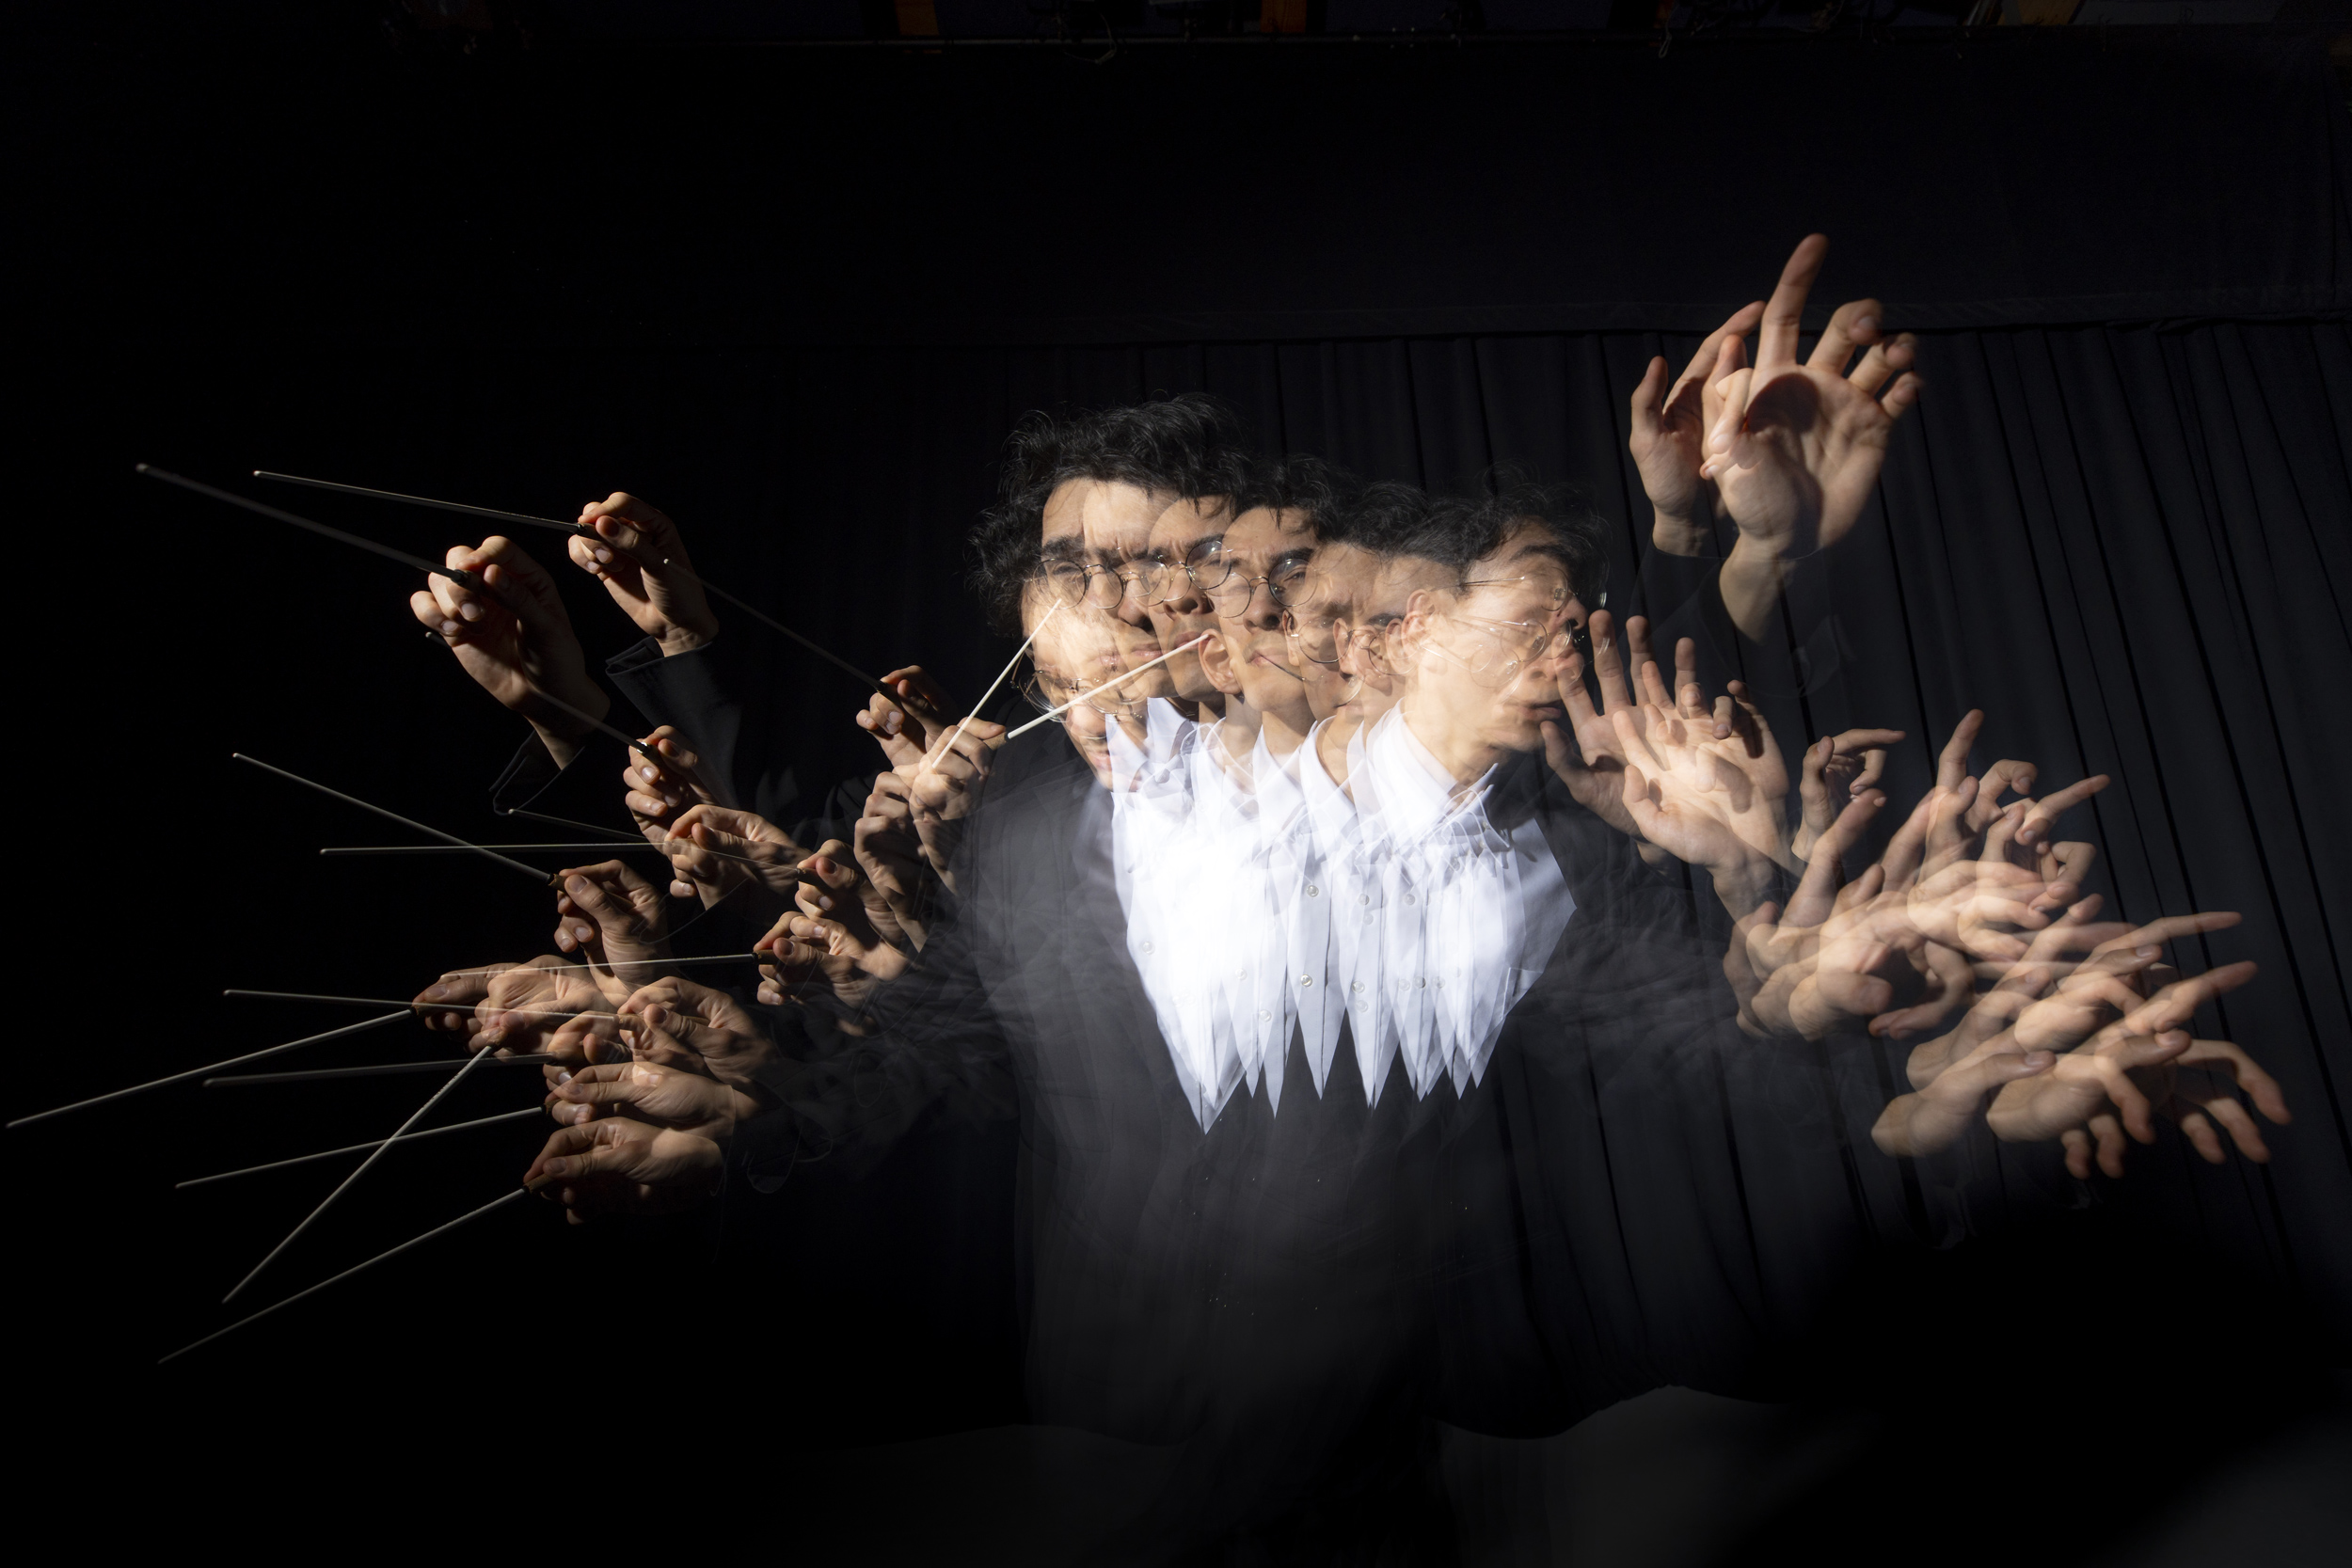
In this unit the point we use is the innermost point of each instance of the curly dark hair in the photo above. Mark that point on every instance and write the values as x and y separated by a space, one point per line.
1577 535
1302 483
1188 446
1391 518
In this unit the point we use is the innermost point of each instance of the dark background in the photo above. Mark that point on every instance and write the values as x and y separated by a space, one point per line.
797 298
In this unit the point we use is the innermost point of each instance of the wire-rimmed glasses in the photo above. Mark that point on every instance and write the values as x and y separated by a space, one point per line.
1047 693
1233 588
1156 578
1495 652
1097 584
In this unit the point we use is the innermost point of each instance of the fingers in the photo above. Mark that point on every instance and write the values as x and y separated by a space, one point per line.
663 762
1642 662
457 602
1813 786
1608 666
1783 313
1870 745
2045 812
2258 1086
1575 696
1812 902
1952 766
837 875
1853 325
1885 359
1648 398
636 527
623 906
2115 1064
2004 777
522 585
1903 395
448 1003
1704 363
2145 943
1730 391
2177 1003
2109 1135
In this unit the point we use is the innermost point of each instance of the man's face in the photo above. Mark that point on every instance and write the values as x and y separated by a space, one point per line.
1490 654
1264 550
1369 656
1105 526
1339 579
1182 536
1075 650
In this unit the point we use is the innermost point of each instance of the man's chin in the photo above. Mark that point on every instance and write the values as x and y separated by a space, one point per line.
1523 731
1155 682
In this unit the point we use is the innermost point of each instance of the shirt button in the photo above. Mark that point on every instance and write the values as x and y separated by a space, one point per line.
1364 898
1409 898
1266 1018
1147 947
1421 982
1305 979
1356 984
1312 890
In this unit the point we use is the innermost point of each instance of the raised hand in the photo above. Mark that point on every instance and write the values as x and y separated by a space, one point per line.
617 1165
518 646
2094 1094
1795 447
1669 438
642 561
1586 753
1837 768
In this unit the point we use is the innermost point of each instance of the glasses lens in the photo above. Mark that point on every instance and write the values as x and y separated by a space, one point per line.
1232 593
1210 566
1312 637
1066 580
1289 585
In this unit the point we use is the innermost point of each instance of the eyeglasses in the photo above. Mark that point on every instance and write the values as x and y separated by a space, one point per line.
1233 588
1156 578
1557 592
1497 651
1594 590
1091 582
1315 641
1047 692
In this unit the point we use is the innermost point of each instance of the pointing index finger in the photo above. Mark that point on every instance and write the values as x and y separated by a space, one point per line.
1776 344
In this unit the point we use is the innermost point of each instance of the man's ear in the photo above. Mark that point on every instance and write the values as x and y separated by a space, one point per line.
1218 663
